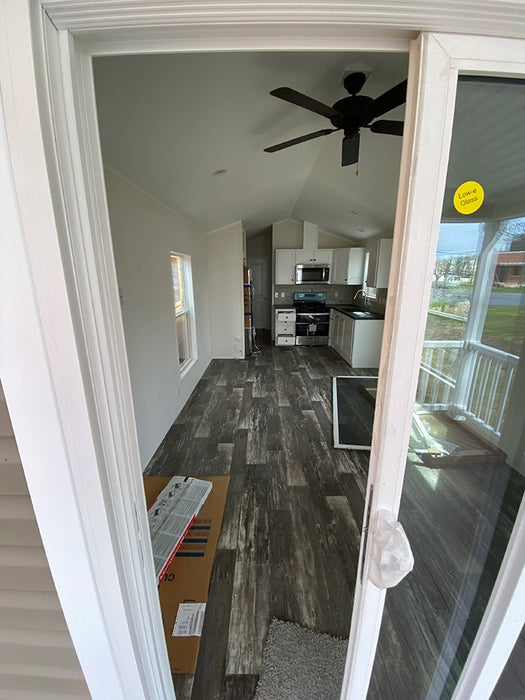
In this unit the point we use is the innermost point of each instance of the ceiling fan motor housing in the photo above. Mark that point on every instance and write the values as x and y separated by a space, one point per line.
352 113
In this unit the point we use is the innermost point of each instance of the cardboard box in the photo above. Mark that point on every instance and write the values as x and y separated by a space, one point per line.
187 579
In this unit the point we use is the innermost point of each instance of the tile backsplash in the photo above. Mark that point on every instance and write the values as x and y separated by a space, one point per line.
345 295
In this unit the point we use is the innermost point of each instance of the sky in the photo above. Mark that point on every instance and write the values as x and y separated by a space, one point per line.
459 239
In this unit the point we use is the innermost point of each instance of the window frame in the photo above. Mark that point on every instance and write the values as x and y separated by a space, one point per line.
187 311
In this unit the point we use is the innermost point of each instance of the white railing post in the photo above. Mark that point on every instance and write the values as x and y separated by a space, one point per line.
487 382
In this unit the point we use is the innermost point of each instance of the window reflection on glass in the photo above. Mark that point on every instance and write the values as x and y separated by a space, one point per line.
465 473
181 279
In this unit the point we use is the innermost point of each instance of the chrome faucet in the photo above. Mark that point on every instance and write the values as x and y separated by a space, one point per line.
365 296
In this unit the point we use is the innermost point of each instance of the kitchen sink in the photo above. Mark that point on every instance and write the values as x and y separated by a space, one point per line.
356 312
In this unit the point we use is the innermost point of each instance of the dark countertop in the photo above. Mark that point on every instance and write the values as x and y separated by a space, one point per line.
356 312
284 306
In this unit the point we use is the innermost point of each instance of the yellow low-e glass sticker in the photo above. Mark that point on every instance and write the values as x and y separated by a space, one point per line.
469 197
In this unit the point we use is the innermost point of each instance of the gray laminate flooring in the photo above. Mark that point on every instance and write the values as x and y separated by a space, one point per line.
290 536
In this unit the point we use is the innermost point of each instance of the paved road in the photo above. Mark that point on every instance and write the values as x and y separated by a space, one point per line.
506 299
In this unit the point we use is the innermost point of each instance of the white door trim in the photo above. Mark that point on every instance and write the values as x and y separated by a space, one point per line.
76 443
79 371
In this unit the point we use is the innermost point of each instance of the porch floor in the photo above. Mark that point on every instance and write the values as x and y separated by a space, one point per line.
290 536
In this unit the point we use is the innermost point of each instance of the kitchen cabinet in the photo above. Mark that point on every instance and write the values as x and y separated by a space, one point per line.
340 334
304 257
379 256
358 341
348 266
285 266
285 326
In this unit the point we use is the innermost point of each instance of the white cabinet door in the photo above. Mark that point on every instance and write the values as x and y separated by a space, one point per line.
348 265
331 332
379 255
384 256
340 266
355 266
336 331
323 256
341 334
305 257
285 266
366 345
348 339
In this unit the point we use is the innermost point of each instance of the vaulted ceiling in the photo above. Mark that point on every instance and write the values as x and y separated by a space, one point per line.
169 122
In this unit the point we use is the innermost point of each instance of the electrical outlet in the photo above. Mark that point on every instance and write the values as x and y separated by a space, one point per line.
336 294
276 295
282 295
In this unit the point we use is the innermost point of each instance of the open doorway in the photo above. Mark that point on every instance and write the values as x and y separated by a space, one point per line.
185 160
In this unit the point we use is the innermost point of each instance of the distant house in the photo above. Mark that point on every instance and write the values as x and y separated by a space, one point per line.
510 268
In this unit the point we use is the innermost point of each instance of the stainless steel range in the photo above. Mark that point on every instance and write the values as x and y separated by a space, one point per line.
312 318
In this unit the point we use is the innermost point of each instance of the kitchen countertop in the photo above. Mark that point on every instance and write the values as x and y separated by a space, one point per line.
356 312
284 306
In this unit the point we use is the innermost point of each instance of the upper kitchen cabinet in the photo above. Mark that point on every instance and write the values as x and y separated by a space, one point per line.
347 265
305 257
285 266
379 256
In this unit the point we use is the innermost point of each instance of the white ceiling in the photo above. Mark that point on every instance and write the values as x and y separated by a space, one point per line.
167 122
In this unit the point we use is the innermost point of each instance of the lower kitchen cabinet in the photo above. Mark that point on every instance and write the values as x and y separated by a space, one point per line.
340 334
358 341
285 326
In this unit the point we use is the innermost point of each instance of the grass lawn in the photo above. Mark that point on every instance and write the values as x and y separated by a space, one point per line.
504 328
509 290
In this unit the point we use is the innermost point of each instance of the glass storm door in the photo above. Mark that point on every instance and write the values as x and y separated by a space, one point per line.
461 485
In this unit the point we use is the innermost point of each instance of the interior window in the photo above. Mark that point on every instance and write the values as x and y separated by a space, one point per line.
183 306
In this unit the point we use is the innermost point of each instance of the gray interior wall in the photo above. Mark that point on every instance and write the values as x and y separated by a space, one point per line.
144 232
38 659
260 247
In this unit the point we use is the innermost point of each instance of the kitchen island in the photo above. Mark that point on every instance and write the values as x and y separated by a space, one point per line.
356 334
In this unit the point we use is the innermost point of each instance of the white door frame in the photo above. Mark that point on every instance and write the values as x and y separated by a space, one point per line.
64 344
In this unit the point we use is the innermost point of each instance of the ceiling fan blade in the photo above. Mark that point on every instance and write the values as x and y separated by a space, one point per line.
299 139
387 126
297 98
388 100
350 153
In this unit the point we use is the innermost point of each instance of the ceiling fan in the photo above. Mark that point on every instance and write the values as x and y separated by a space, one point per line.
348 115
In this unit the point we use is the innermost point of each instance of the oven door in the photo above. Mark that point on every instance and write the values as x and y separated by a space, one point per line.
312 328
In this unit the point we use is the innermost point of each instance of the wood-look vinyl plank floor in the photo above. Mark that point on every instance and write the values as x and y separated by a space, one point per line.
289 542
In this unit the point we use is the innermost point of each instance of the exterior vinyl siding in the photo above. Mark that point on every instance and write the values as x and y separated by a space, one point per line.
37 658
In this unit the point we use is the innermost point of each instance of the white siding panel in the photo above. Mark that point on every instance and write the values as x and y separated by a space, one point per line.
37 658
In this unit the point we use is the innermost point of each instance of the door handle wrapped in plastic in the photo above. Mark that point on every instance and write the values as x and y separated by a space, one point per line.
391 558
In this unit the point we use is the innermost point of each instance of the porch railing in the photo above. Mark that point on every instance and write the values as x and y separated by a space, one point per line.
438 373
471 377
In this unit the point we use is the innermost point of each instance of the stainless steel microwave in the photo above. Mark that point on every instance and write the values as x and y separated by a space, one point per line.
312 274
